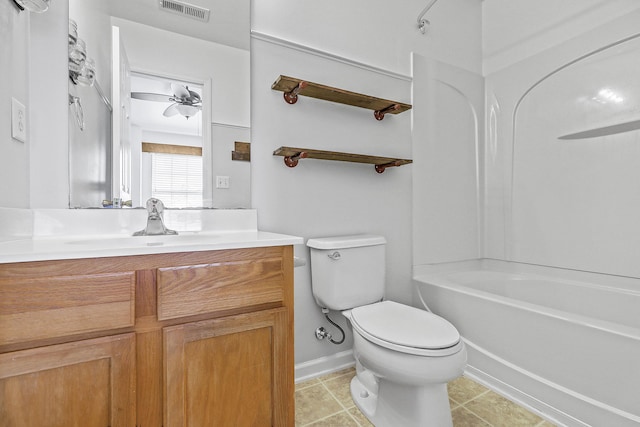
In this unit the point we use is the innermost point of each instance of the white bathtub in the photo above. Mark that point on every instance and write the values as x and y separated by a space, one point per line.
564 343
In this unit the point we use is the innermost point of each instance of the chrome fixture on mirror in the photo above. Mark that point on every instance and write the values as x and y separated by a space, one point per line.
76 108
82 69
37 6
155 225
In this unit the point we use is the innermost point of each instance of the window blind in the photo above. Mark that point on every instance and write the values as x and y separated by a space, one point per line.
176 179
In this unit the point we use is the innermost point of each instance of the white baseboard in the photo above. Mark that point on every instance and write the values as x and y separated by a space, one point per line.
324 365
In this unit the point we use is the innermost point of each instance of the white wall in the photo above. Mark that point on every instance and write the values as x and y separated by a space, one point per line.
378 32
321 198
14 155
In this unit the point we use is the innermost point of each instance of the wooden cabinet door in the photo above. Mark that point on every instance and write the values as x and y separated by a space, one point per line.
231 371
83 383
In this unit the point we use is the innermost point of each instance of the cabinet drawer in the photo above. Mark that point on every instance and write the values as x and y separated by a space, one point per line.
33 308
226 285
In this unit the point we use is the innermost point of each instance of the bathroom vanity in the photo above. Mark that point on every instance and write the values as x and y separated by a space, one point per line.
163 338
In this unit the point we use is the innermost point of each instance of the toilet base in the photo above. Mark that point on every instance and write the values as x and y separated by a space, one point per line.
398 405
364 400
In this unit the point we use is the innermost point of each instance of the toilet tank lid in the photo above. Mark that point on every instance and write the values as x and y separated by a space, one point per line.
342 242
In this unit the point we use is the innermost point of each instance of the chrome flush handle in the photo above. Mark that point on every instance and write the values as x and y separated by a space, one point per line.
334 255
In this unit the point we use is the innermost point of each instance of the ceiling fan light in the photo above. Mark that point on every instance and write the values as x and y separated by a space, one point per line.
187 110
37 6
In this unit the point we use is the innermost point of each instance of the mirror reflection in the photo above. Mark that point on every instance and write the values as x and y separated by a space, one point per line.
167 113
166 143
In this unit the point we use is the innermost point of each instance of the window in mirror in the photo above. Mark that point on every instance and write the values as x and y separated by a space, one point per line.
176 179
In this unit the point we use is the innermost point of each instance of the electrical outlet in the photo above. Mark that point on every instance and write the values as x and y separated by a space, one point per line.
222 182
18 120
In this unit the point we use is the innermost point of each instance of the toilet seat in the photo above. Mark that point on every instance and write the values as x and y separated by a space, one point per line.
406 329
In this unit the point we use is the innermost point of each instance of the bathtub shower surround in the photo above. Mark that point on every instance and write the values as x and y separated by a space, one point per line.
566 343
562 180
575 178
549 306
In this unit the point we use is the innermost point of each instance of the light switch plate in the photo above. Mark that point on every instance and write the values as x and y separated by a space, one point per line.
18 120
222 181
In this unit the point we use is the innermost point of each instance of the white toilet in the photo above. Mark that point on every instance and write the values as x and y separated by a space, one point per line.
404 356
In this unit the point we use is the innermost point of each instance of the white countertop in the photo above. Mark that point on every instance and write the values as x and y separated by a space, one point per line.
99 246
54 234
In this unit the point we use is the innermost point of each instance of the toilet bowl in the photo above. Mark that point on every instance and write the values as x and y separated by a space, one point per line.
402 376
404 355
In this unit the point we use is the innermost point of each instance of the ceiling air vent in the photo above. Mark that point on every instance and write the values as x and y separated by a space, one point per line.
185 9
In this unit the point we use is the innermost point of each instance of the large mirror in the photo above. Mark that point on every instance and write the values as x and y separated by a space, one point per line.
167 112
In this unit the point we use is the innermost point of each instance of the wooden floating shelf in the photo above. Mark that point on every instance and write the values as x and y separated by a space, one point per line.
292 155
293 87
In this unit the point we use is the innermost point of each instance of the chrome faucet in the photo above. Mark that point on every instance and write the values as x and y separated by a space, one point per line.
155 225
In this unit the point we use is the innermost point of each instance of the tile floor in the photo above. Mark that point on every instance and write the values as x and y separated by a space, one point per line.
326 401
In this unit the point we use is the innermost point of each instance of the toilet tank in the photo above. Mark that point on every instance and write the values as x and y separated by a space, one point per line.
347 271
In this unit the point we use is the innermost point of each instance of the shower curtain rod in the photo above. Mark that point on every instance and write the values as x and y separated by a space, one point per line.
423 23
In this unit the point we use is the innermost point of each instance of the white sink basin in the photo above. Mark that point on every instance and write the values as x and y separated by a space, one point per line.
141 241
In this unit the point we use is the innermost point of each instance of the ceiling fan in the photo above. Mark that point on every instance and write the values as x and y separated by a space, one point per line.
185 101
